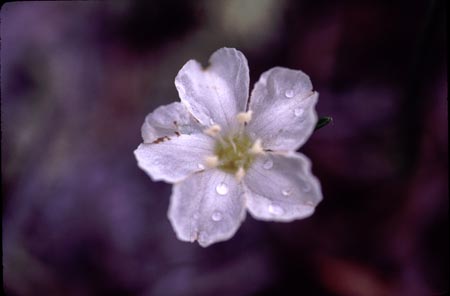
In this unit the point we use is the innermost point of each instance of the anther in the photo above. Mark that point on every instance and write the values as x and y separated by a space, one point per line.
213 130
257 147
240 174
244 117
212 161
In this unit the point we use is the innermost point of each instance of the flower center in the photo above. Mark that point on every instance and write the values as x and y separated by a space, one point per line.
233 152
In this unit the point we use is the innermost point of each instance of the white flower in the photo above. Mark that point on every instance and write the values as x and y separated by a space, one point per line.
224 156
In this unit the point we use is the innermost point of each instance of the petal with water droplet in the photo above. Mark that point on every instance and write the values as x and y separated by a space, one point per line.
289 93
175 159
299 112
216 93
286 192
281 123
222 188
277 194
219 216
268 164
275 209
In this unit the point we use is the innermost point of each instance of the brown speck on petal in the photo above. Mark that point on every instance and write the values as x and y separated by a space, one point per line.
161 139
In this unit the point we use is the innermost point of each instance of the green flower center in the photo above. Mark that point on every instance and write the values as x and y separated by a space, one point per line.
233 153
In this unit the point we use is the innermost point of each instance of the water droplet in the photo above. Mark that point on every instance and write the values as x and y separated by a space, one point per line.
276 210
309 203
211 122
306 187
268 164
216 216
289 93
286 192
200 166
222 189
202 237
298 112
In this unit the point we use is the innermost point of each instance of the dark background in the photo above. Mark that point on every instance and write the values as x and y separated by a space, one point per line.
80 218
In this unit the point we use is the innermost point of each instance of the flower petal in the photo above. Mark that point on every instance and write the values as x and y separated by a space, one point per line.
173 159
283 103
219 92
168 121
282 187
208 207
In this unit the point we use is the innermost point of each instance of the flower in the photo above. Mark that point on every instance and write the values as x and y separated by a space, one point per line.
226 154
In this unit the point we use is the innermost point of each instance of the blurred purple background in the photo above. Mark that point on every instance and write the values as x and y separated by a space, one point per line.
80 218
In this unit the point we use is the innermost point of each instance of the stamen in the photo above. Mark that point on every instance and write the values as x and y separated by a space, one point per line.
244 117
257 147
212 161
213 130
233 144
240 174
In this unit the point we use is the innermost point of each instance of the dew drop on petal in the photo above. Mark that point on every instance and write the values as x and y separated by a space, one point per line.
298 112
222 189
211 122
268 164
289 93
286 192
202 237
216 216
200 166
309 203
306 187
276 210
